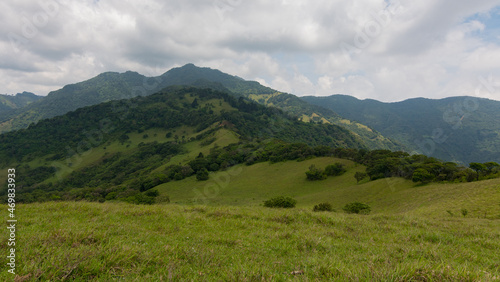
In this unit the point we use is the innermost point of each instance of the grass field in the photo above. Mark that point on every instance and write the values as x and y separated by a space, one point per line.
81 241
251 185
218 230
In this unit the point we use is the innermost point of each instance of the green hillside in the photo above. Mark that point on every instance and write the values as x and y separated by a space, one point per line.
121 148
171 186
460 129
115 86
251 185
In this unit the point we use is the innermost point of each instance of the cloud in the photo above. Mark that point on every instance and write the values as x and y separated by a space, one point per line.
382 49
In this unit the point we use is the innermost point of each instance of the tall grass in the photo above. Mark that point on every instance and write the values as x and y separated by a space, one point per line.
106 242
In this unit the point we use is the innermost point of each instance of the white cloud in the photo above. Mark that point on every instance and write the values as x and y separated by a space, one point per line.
412 48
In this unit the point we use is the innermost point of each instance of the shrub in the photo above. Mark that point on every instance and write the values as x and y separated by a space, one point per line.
280 202
315 173
202 174
357 207
152 193
335 169
111 196
323 207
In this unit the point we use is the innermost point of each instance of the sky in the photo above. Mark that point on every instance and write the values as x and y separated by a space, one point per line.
388 50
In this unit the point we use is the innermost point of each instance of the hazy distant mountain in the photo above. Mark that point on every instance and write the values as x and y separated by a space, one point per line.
10 102
114 86
464 129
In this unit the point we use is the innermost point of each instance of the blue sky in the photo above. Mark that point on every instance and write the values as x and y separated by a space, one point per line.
387 50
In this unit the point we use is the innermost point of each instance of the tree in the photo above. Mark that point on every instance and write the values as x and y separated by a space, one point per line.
422 175
315 173
360 176
202 174
490 166
335 169
478 168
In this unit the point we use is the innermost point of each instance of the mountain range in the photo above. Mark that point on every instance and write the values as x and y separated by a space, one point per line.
20 100
209 151
459 129
115 86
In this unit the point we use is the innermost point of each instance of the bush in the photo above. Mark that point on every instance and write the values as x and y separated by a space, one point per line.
280 202
357 207
335 169
323 207
202 174
315 173
152 193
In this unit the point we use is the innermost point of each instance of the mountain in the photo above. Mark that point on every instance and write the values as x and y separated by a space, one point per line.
120 150
10 102
120 143
114 86
104 87
460 129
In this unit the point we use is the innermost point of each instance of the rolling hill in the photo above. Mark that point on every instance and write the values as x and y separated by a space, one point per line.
460 129
410 235
119 143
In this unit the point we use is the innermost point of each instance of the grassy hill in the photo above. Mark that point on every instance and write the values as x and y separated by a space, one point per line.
409 237
251 185
414 233
118 149
456 129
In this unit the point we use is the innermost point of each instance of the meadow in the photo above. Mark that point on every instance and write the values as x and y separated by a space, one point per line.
219 230
79 241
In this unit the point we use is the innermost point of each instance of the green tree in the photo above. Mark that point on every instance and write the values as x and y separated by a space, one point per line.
335 169
202 174
315 173
422 175
490 166
360 176
478 168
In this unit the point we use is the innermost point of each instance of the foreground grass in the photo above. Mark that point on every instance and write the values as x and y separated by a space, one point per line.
108 242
